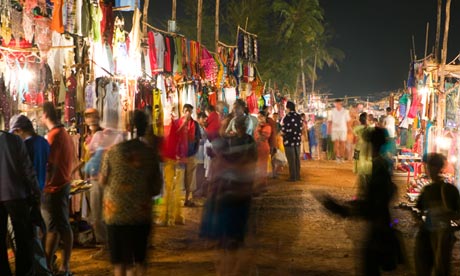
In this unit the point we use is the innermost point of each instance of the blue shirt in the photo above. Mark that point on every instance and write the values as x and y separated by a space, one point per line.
39 150
323 130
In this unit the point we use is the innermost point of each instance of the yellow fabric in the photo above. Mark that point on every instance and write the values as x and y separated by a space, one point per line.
172 211
362 166
157 113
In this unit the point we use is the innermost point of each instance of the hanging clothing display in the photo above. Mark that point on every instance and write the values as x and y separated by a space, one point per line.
70 99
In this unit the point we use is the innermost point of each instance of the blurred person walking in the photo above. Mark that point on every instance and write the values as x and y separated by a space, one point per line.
38 150
381 249
362 164
291 130
55 205
101 141
130 174
226 212
389 123
19 191
201 183
439 202
188 134
305 141
262 136
240 110
338 121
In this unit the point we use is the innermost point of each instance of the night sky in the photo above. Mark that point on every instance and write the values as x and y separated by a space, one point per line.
376 37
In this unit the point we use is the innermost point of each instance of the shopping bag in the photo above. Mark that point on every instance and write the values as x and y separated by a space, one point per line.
280 157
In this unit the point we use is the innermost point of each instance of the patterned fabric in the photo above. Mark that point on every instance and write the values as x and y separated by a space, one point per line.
292 129
131 176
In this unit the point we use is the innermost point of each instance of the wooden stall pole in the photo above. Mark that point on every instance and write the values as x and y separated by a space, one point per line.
199 20
438 31
442 95
217 26
426 38
173 15
145 13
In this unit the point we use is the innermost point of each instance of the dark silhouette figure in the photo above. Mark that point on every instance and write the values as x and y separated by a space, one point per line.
439 202
381 249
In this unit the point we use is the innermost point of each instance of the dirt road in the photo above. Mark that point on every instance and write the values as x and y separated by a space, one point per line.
290 234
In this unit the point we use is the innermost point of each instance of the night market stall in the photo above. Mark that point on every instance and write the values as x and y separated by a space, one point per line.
84 54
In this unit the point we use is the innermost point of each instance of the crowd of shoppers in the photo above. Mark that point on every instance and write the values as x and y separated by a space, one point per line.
224 158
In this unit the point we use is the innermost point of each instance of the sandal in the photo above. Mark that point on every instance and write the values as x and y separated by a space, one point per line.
63 273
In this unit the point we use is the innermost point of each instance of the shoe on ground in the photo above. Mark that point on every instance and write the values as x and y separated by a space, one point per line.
102 255
189 203
63 273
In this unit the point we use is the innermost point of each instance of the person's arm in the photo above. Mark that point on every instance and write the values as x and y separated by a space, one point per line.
105 170
53 158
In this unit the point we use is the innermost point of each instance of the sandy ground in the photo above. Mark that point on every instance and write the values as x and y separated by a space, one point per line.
290 234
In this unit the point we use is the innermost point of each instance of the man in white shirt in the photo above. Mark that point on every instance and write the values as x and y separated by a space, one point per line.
390 124
338 124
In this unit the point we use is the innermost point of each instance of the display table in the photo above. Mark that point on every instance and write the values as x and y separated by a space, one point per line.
415 162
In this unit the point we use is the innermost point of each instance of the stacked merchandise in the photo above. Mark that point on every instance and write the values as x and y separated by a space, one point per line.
416 185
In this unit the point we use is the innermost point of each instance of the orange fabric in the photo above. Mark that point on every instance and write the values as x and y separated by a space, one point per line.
56 22
60 163
262 136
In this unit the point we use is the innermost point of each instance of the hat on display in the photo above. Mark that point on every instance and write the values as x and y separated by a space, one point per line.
20 122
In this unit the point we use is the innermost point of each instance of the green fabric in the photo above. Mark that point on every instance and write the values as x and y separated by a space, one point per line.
410 139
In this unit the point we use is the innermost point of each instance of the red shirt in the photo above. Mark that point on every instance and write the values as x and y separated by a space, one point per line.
213 122
59 167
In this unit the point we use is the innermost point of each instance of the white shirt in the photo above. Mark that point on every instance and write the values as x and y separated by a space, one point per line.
339 119
389 123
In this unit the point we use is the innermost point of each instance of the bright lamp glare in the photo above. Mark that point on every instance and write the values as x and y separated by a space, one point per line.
27 75
443 142
423 91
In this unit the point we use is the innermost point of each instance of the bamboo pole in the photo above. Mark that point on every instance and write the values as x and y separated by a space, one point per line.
173 15
442 96
216 41
438 31
199 20
145 13
426 38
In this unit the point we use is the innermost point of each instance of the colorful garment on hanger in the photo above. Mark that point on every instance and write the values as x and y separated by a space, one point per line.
208 65
107 22
112 107
167 55
144 96
128 5
70 20
177 65
70 99
152 53
90 95
157 113
416 102
96 18
160 52
57 23
251 101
